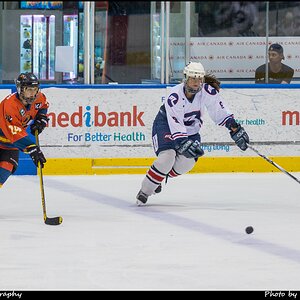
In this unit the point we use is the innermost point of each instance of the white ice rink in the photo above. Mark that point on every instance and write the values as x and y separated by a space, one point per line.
189 237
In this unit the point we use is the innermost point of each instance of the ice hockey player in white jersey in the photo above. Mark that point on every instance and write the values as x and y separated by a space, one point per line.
175 131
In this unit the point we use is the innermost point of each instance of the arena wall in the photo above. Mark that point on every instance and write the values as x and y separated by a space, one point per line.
106 129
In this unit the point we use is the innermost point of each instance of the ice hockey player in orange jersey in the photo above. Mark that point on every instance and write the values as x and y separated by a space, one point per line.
27 107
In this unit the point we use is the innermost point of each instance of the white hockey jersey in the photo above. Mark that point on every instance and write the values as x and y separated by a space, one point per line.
184 117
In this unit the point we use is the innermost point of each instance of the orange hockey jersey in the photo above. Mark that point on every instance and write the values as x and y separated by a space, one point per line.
15 118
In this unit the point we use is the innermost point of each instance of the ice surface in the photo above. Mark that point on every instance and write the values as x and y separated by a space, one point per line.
191 236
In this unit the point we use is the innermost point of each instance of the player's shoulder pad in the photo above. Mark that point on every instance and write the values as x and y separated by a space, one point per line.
42 95
11 103
208 89
11 96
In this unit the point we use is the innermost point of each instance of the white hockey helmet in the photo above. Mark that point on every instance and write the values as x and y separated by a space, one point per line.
193 70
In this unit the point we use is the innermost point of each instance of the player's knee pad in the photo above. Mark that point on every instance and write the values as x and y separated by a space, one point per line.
165 161
158 171
183 165
6 169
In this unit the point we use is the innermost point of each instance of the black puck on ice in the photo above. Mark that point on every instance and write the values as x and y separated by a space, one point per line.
249 229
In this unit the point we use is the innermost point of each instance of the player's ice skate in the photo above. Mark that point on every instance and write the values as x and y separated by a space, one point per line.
158 189
141 198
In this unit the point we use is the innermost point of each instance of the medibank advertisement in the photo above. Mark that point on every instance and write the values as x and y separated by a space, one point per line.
100 122
95 123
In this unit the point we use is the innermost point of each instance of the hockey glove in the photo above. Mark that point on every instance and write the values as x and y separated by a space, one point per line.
240 137
189 149
39 123
36 154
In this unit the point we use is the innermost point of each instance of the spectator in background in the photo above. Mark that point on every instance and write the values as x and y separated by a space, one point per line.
287 25
278 72
243 18
296 20
226 18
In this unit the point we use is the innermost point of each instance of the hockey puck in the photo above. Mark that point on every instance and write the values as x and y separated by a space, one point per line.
249 229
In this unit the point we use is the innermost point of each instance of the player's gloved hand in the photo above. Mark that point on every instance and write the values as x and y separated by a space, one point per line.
36 155
39 124
240 137
189 148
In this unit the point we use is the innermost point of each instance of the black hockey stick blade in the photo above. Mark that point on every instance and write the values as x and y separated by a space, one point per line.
53 221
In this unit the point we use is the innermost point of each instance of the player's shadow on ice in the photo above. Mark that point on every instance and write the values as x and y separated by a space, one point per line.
159 205
150 211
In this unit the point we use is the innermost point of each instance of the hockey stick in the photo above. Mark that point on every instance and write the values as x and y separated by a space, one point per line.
274 164
47 220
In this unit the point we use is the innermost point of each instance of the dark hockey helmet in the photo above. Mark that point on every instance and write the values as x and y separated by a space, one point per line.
25 80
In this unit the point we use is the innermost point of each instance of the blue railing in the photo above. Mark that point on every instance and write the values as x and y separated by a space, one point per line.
156 86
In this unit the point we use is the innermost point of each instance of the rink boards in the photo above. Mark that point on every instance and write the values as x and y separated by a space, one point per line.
105 166
106 129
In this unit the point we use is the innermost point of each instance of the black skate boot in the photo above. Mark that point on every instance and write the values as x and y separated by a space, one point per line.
158 189
141 198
